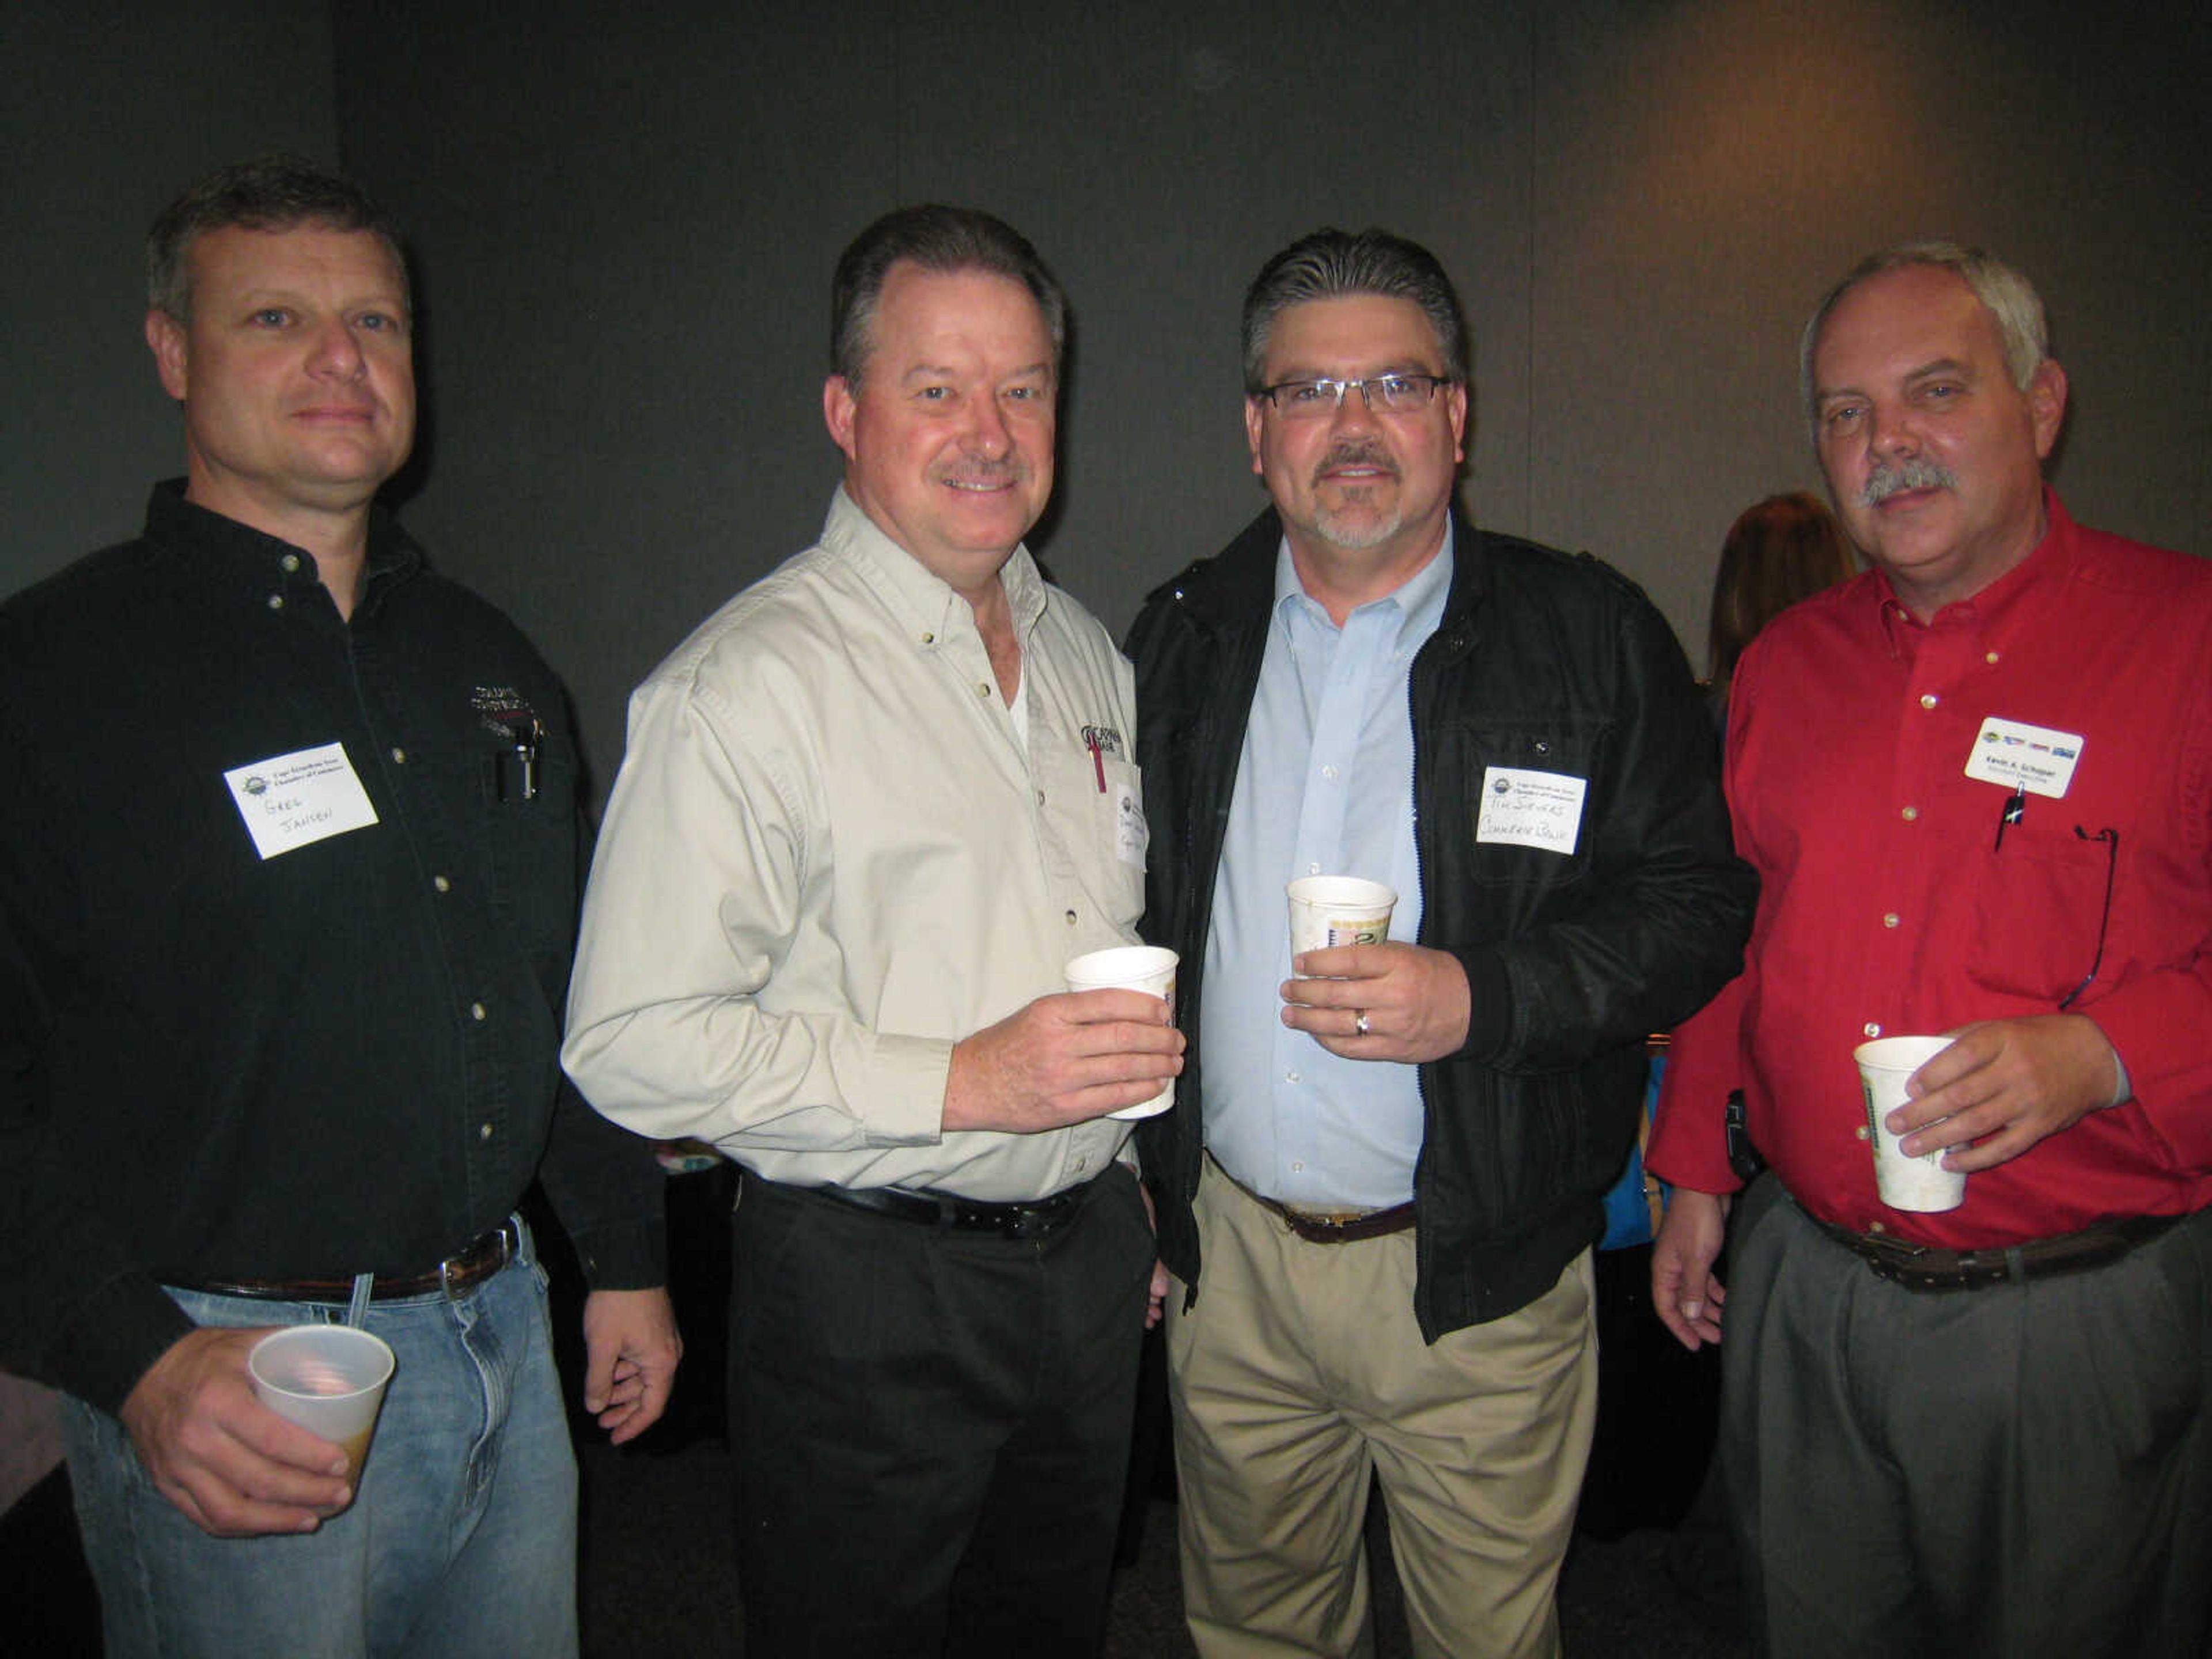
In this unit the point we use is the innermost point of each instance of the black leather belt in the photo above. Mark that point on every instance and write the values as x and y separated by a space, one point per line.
455 1275
1923 1268
1037 1218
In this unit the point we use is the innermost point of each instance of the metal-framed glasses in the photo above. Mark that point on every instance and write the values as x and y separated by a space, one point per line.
1385 394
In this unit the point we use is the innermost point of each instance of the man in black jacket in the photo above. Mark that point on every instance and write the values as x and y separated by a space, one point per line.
1393 1167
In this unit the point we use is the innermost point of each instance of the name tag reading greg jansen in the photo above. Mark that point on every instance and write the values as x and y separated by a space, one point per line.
289 801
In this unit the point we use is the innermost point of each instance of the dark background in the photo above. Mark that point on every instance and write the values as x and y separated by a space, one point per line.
624 220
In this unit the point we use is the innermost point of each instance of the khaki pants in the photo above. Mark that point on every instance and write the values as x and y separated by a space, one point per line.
1298 1372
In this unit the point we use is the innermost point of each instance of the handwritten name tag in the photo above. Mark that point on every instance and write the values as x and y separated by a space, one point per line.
1542 809
1131 837
289 801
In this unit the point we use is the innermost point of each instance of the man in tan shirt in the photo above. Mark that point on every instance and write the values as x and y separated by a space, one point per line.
868 811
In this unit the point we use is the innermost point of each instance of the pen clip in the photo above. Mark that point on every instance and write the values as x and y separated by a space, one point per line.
2015 809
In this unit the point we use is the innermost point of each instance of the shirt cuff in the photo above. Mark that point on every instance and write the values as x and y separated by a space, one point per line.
904 1102
113 1339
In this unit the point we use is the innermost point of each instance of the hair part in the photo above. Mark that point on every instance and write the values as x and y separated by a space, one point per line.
943 239
271 193
1782 549
1332 264
2010 298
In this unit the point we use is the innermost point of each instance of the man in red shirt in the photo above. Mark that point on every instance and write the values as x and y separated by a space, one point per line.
1982 1429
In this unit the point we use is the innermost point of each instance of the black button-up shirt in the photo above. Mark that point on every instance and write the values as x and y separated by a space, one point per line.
336 1058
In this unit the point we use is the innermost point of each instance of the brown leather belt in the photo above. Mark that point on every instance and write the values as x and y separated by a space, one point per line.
454 1277
1923 1268
1328 1226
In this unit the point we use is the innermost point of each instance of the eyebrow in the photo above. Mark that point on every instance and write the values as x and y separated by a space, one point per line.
1402 366
1937 365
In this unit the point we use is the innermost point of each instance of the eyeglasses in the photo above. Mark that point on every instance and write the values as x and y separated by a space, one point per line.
2111 840
1385 394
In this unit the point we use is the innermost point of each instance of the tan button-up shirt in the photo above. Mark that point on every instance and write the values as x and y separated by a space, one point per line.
829 856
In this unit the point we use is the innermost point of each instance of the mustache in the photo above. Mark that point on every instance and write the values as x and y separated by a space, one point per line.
982 469
1356 452
1917 472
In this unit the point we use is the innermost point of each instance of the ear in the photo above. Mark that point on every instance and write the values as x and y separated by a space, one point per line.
165 338
2046 405
1254 413
1455 406
839 406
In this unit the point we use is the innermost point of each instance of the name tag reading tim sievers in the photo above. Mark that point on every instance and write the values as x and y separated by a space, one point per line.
1542 809
290 800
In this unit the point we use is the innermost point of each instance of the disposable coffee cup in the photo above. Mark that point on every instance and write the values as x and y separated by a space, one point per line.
329 1379
1147 967
1328 910
1906 1183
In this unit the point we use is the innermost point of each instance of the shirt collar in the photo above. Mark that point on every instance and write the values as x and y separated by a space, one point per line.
2051 559
258 563
1419 599
922 601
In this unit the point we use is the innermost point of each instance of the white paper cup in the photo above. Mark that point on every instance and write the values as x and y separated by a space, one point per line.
1906 1183
1327 910
1147 967
329 1379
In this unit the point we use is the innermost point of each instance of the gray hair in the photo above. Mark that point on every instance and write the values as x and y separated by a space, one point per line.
939 239
1332 264
270 192
2010 298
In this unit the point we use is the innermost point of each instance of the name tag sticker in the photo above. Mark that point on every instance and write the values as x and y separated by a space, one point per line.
1131 837
1542 809
2020 757
289 801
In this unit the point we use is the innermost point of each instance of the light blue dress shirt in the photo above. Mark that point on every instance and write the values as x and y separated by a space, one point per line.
1324 786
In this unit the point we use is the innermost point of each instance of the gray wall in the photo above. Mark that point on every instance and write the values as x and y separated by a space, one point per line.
626 217
111 109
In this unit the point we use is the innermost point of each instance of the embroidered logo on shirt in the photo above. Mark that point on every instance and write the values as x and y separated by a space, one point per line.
502 710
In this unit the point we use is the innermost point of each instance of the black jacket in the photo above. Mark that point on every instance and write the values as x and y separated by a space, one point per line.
1544 662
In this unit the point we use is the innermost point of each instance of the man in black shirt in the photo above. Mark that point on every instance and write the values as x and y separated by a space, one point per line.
288 869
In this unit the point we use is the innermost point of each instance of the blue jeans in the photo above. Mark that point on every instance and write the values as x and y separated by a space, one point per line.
461 1540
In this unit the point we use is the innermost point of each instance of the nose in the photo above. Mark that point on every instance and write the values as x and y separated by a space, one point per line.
1890 430
988 434
1355 407
336 353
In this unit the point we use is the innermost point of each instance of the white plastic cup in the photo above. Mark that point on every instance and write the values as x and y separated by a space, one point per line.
1147 967
1906 1183
329 1379
1329 910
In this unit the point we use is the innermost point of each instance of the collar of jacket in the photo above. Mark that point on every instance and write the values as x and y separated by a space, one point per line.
1234 588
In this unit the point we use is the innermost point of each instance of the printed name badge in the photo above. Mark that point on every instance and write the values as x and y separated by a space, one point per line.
1131 837
2019 757
1542 809
289 801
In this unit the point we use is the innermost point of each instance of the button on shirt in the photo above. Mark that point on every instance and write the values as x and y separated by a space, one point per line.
1324 786
1888 905
829 855
334 1058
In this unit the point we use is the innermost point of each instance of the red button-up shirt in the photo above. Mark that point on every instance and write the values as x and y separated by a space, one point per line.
1888 907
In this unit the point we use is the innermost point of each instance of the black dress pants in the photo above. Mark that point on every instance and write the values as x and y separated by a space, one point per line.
930 1428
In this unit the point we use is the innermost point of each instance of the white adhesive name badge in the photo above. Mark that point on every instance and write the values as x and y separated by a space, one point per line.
1131 837
289 801
2031 757
1543 810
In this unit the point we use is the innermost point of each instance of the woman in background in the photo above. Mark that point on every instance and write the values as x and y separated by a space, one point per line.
1785 549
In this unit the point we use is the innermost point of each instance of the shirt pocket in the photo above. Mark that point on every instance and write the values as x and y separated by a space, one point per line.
1094 807
2039 903
1496 759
